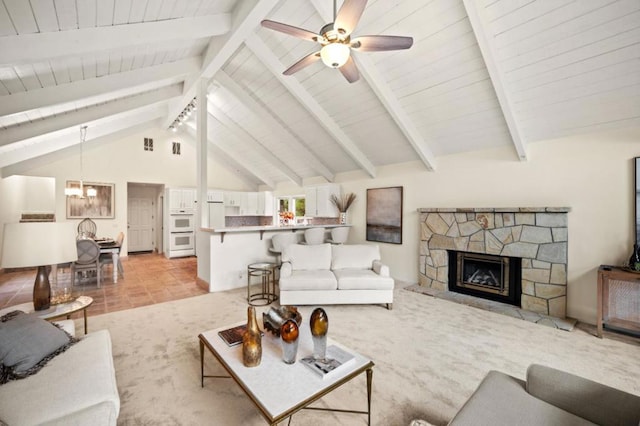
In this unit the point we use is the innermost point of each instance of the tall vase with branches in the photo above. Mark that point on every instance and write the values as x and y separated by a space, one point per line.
343 203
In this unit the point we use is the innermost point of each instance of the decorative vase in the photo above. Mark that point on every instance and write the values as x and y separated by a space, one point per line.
251 341
319 324
634 260
41 290
343 218
289 334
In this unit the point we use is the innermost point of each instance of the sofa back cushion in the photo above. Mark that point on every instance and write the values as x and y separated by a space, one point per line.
308 257
354 256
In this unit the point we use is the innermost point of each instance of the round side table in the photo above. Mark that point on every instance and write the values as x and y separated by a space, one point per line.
265 272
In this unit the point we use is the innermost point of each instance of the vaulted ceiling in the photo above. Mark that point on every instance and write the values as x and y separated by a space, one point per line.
481 74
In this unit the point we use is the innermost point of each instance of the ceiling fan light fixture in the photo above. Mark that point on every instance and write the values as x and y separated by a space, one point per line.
335 55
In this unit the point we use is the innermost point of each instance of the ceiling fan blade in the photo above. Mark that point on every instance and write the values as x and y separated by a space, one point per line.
349 15
350 71
290 30
378 43
304 62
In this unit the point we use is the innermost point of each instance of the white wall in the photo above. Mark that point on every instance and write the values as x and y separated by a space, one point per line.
120 162
593 175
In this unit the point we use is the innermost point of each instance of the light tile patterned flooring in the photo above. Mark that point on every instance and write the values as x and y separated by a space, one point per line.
148 279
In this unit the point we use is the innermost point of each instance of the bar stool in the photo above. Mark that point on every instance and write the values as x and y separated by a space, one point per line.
339 235
267 292
313 236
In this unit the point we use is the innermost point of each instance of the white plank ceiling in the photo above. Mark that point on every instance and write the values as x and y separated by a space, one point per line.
481 74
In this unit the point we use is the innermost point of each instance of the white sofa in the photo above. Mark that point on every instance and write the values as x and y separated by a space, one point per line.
326 274
77 387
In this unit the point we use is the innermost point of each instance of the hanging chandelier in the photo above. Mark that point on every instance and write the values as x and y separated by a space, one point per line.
75 189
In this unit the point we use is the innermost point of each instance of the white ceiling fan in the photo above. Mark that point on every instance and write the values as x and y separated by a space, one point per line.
335 38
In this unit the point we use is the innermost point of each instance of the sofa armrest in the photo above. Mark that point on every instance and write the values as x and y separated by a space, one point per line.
585 398
285 269
380 268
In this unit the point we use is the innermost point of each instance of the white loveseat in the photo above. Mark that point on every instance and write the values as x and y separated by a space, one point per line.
326 274
77 387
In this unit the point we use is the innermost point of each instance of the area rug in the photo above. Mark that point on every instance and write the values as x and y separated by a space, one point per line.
429 354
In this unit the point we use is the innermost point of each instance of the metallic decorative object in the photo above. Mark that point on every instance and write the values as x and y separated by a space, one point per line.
319 323
289 334
251 341
276 317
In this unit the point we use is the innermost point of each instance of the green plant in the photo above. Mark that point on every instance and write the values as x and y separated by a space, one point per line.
344 202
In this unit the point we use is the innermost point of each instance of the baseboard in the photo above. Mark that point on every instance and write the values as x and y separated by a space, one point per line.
202 283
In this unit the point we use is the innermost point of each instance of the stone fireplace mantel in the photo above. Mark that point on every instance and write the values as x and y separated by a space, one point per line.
538 235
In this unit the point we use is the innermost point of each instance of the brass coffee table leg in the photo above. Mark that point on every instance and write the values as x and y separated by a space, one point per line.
369 382
201 363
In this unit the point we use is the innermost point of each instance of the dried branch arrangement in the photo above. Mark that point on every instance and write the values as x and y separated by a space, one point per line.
344 202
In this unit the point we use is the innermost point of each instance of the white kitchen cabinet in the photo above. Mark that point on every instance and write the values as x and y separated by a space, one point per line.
265 203
318 200
249 204
182 200
232 198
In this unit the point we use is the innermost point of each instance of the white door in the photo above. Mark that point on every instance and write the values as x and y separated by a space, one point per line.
141 220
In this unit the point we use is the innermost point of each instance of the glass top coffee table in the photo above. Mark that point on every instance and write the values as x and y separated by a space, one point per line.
277 389
55 311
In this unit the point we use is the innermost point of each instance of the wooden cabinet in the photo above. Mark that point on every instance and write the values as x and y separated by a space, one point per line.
265 203
182 200
232 198
248 203
318 200
618 299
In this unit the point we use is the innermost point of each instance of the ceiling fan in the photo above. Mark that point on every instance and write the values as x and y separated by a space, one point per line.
335 38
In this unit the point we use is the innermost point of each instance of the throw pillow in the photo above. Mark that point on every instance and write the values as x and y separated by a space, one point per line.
27 343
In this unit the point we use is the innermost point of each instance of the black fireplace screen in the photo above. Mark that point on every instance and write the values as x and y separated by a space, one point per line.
484 275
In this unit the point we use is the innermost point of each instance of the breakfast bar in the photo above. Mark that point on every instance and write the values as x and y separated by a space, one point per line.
224 253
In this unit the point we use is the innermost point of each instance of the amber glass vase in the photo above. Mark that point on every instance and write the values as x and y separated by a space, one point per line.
319 324
289 334
251 341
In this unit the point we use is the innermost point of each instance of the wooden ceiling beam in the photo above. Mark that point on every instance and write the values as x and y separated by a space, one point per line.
219 154
245 19
142 79
386 96
486 42
267 116
39 47
273 64
64 144
83 116
227 147
244 136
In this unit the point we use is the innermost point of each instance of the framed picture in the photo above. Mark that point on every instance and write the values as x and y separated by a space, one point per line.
97 201
384 215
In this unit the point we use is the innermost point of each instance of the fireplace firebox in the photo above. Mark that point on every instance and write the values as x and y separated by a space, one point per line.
487 276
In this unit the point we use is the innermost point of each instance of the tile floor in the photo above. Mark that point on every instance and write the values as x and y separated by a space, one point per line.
148 279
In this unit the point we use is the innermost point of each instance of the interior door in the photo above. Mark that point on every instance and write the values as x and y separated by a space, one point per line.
140 224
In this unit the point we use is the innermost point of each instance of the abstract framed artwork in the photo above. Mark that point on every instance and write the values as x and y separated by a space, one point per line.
384 215
97 201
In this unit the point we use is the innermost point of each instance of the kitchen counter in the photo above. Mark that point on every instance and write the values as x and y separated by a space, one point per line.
224 253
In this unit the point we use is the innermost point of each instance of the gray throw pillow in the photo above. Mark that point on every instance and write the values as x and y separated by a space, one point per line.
27 343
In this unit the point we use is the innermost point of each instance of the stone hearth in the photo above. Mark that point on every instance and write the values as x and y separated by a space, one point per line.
536 235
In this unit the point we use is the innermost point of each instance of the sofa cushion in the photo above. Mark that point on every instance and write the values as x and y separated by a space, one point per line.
359 279
27 343
502 400
354 256
308 257
77 387
596 402
309 280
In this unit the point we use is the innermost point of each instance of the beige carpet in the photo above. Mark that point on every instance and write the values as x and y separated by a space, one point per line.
430 355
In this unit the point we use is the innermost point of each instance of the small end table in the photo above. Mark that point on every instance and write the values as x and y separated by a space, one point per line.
56 311
266 271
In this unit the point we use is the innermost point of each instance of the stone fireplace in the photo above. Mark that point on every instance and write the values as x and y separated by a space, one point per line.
533 240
